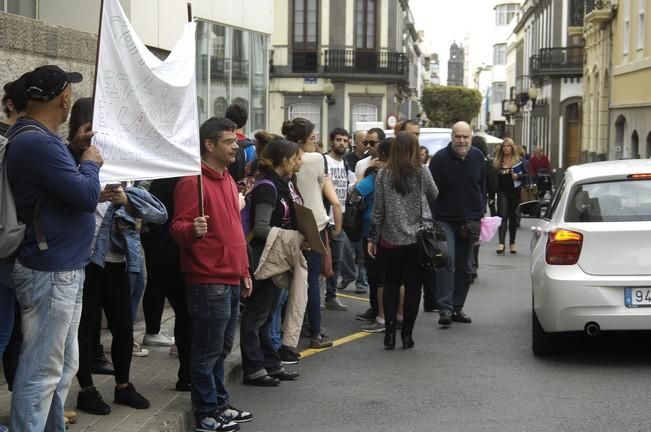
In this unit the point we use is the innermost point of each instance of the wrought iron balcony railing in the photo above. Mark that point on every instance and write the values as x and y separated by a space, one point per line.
348 61
557 62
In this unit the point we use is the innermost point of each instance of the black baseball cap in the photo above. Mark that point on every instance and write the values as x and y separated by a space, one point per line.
47 82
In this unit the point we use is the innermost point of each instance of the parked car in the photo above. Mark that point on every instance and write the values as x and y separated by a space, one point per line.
590 252
433 138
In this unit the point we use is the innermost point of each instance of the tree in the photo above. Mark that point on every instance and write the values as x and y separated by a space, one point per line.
445 106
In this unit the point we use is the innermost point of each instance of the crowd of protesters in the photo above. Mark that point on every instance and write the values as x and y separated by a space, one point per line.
237 258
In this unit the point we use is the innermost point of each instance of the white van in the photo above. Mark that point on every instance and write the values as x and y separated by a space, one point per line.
433 138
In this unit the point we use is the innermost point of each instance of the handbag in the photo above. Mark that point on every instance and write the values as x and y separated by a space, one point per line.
326 258
432 242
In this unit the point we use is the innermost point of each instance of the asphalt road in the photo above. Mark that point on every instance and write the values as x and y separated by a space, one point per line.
470 377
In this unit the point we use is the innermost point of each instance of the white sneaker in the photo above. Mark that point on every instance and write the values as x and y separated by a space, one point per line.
138 351
158 339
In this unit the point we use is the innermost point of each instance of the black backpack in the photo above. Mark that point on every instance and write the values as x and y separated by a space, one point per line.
353 221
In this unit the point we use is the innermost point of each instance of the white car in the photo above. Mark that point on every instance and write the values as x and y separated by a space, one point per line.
591 253
433 138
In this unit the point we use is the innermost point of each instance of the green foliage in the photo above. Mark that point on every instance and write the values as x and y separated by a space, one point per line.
445 106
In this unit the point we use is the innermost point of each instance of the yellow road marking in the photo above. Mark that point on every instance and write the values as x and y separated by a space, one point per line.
348 296
311 351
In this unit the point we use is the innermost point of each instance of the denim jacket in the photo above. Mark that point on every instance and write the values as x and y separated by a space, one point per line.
122 230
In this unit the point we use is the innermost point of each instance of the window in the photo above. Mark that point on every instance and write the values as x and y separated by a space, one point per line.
499 54
19 7
306 110
364 113
306 24
617 201
627 26
641 24
366 13
498 93
505 13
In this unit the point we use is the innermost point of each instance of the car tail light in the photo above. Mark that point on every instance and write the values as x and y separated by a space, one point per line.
563 247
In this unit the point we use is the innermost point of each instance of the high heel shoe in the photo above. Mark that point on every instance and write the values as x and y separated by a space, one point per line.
407 341
390 337
513 248
500 249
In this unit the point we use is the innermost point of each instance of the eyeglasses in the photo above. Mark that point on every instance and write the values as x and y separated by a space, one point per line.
369 143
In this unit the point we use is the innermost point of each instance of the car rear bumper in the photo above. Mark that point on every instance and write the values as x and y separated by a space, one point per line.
566 299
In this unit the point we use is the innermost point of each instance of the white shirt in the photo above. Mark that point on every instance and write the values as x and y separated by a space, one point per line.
362 166
342 179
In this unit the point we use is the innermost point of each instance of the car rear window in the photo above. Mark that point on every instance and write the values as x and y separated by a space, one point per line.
615 201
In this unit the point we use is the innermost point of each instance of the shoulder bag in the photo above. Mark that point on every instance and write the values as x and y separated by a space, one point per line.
432 241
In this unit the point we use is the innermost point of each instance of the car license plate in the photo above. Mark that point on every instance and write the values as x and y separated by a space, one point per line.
637 297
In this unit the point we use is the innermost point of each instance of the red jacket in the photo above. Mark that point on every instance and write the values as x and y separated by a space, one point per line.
219 257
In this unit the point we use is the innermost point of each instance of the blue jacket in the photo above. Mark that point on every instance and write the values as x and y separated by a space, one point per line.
366 187
40 165
122 230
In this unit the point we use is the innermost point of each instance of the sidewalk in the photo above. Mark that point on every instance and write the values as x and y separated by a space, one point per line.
154 377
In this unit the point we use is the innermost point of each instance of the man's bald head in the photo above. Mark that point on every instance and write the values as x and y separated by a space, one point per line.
461 138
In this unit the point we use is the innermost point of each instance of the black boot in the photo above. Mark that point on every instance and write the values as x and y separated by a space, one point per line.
407 340
390 335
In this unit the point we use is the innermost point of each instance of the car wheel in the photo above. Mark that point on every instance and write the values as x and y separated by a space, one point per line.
542 343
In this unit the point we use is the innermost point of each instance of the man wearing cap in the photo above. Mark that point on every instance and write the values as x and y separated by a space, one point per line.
49 272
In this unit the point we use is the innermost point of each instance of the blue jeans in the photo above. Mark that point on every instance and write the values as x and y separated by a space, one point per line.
214 309
275 332
452 282
7 304
337 244
51 308
137 285
352 266
313 290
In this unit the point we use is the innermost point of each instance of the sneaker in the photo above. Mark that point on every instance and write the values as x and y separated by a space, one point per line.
461 317
236 415
174 351
4 428
130 397
374 327
306 332
343 285
335 304
287 355
138 351
183 386
320 342
218 424
90 401
369 315
158 339
361 290
445 318
72 416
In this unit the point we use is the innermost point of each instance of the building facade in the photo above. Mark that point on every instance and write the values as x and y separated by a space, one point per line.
630 102
232 44
340 62
456 65
548 90
597 72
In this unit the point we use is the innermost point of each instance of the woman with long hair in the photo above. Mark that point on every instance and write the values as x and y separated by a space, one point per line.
510 172
271 206
403 195
314 184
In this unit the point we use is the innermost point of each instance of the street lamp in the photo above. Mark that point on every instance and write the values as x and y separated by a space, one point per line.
328 91
534 92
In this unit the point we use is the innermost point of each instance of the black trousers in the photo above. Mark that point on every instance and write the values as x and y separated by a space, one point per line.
106 288
257 353
12 351
429 290
507 203
402 268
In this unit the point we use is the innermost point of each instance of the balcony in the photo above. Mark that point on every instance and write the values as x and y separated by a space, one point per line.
348 61
305 61
564 62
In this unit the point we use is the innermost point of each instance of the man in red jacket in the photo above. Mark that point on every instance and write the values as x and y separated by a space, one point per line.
215 262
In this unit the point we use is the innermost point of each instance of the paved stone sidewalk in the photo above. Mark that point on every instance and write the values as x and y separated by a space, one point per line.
154 377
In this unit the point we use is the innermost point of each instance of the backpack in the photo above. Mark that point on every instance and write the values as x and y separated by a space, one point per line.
245 214
12 230
353 220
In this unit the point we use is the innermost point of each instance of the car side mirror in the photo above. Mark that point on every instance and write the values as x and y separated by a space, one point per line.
529 210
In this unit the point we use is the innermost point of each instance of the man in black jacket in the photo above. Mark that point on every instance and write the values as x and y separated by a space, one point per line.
459 171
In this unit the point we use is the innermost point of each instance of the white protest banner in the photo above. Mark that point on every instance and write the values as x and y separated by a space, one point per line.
145 112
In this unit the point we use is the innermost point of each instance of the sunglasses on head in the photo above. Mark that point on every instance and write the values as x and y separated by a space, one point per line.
369 143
